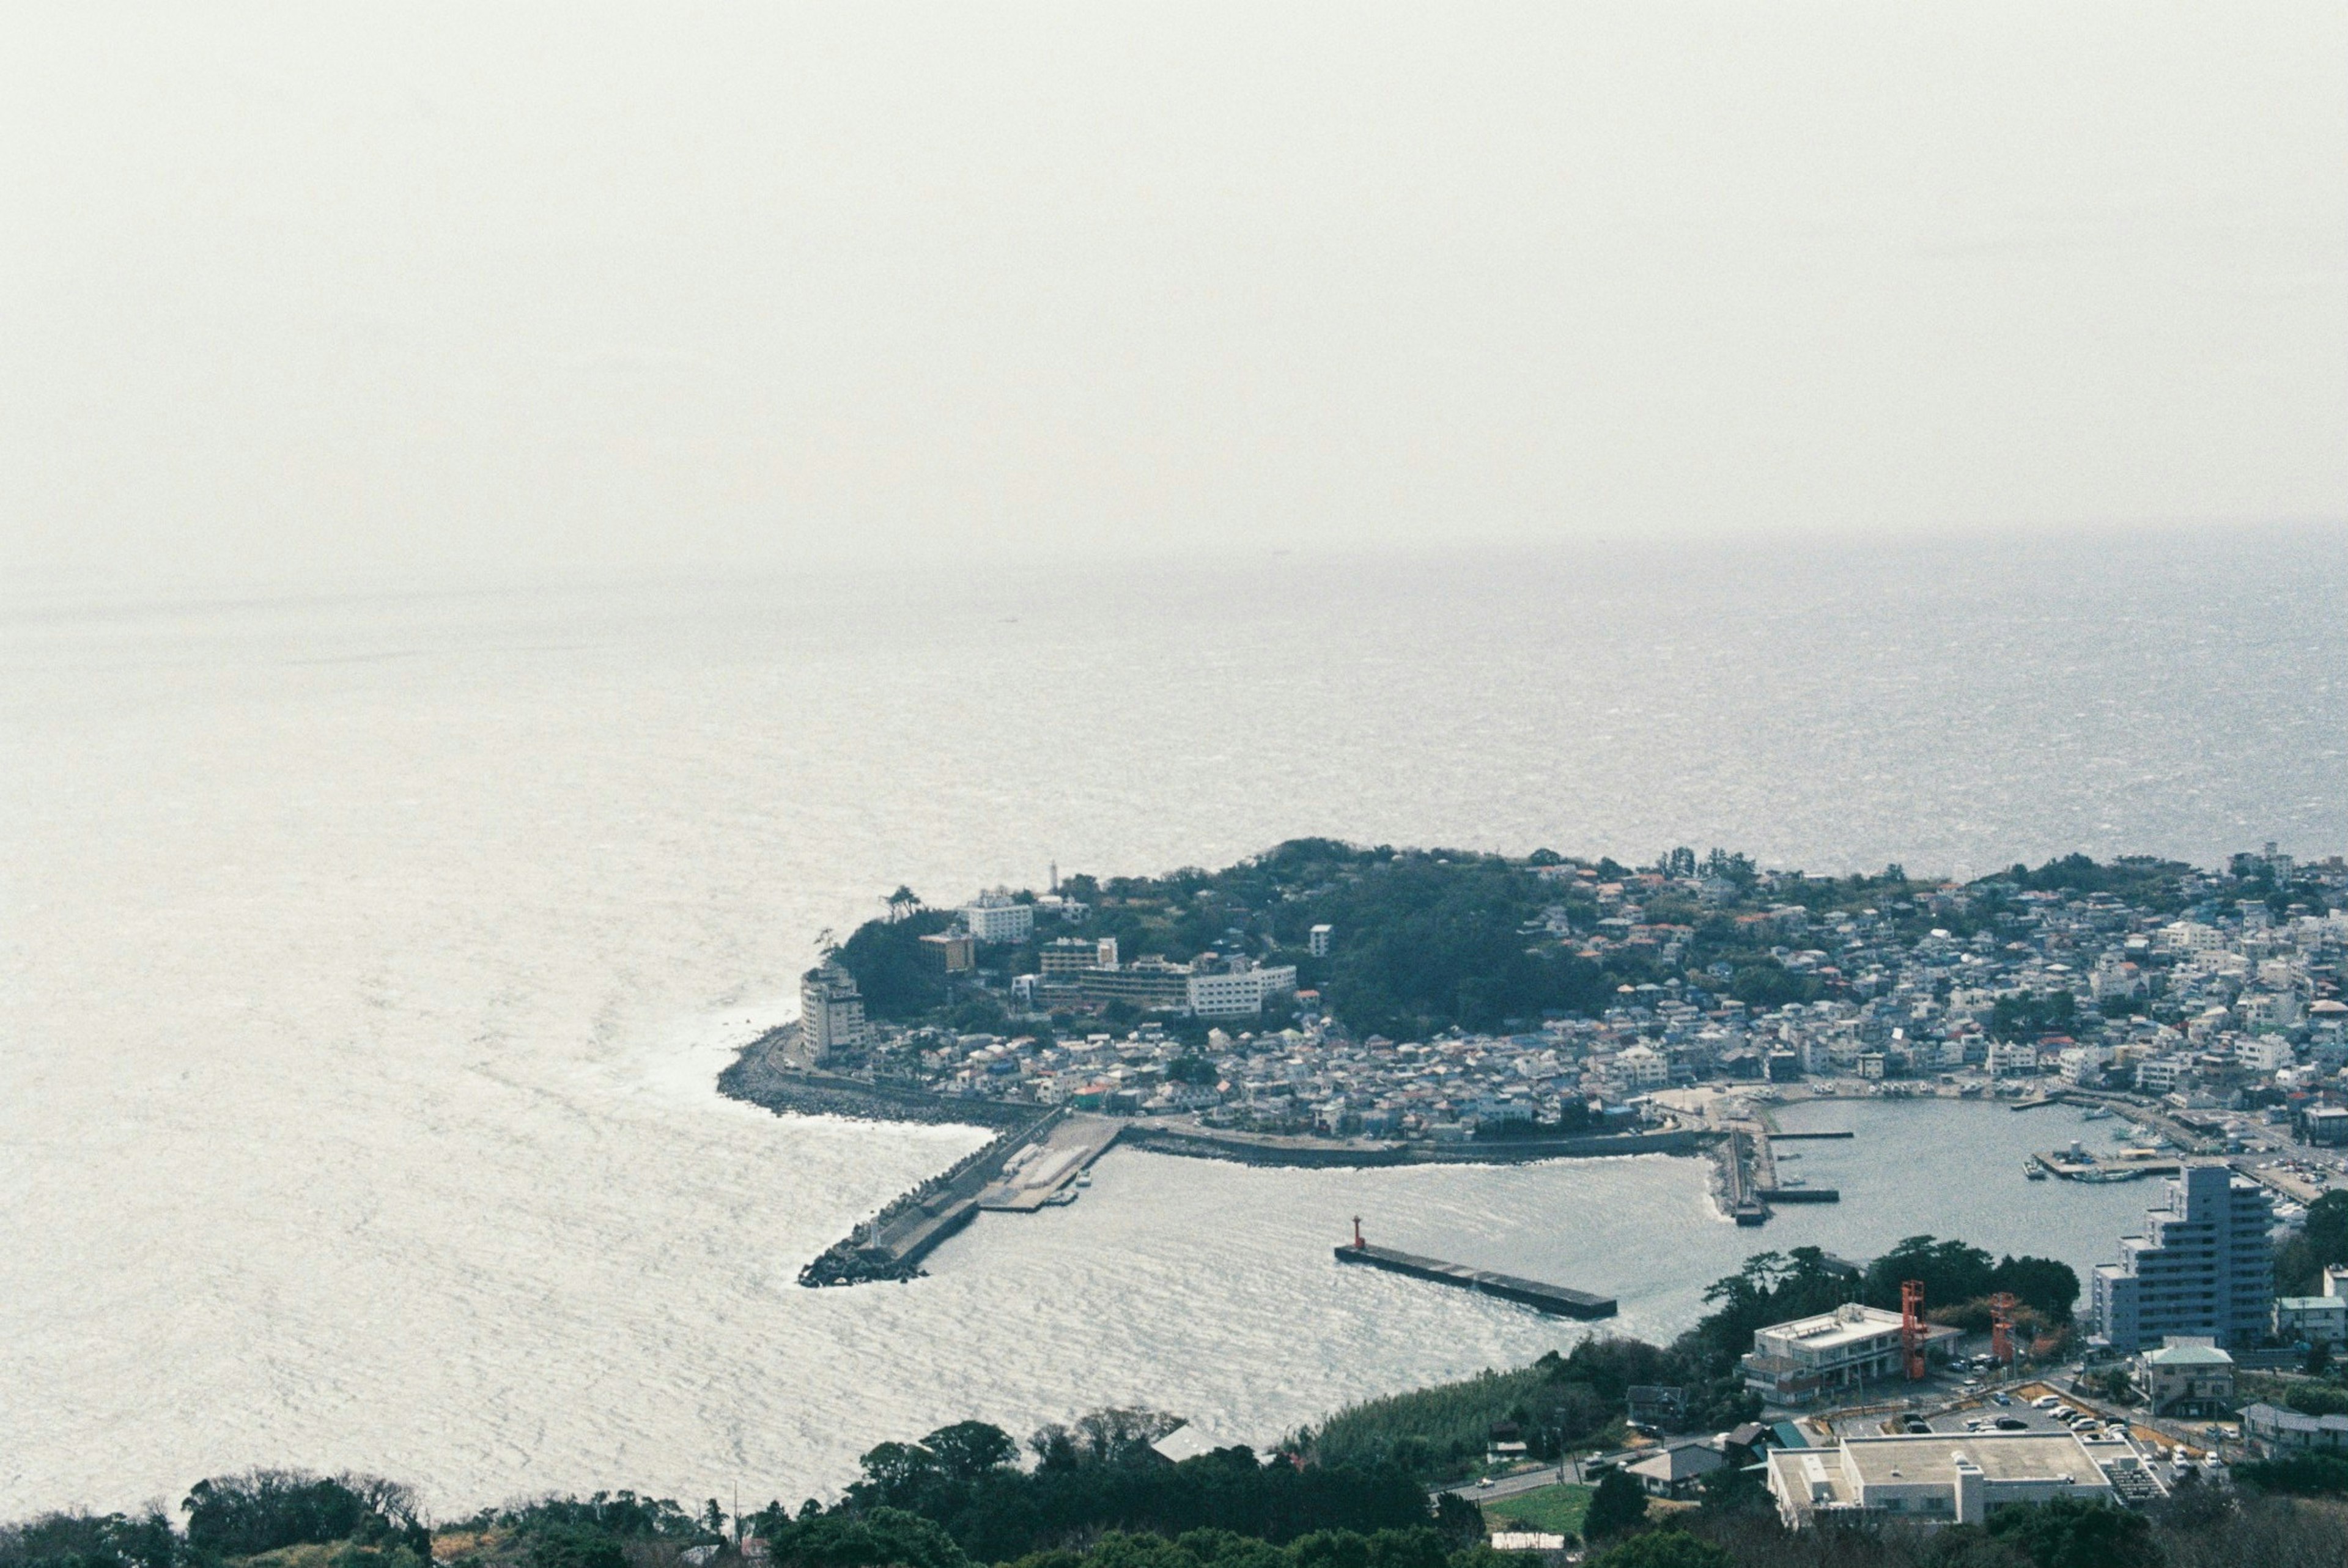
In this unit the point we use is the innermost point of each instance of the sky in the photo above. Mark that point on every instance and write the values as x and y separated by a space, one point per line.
302 290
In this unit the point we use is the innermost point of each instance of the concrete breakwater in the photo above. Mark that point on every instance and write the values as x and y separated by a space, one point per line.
1555 1299
892 1242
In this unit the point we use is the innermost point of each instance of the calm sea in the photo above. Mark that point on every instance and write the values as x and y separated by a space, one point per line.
366 960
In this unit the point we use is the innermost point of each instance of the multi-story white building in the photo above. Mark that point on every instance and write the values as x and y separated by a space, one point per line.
831 1013
998 917
1240 991
1793 1363
2204 1266
1316 941
1644 1067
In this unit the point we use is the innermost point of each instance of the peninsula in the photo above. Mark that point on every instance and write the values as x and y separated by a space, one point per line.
1328 1004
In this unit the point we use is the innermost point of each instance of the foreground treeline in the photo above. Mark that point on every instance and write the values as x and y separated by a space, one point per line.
1096 1497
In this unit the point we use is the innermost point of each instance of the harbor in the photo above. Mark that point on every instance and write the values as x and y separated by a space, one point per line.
1750 1180
1556 1300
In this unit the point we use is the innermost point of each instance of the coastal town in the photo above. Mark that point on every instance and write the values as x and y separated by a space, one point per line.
2215 1002
2190 1021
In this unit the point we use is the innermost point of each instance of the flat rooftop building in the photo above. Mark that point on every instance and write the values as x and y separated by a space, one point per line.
1793 1363
1951 1478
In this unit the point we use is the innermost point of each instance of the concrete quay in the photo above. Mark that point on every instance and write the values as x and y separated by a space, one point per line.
1048 1169
1020 1171
1749 1183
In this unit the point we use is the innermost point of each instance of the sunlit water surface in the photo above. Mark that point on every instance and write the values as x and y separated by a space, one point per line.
368 961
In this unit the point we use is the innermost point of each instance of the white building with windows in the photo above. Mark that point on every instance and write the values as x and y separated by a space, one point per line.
1794 1363
1241 990
831 1013
2204 1266
997 917
1644 1067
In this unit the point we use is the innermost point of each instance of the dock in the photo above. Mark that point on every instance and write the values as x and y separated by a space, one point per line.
1045 1171
1554 1300
1020 1170
2075 1165
1749 1183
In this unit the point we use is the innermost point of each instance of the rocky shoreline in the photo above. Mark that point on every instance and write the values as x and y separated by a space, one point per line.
755 1076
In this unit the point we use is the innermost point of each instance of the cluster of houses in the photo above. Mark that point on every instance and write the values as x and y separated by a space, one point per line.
2225 1003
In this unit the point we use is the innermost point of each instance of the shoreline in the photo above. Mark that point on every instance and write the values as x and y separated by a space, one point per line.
754 1078
890 1247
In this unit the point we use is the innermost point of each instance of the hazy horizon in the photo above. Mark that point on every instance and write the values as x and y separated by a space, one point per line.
489 293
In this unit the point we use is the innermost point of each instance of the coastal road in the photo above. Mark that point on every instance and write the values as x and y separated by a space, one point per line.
1506 1486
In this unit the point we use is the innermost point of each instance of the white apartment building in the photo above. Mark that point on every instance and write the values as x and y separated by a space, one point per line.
1240 992
1644 1067
1316 941
997 917
1942 1478
2204 1266
831 1013
2262 1052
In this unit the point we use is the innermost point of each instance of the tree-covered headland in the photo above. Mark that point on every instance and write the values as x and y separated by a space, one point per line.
1431 938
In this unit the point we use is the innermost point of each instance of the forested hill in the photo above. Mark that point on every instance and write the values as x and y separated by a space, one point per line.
1425 939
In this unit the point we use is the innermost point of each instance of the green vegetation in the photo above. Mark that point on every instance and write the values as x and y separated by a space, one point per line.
1101 1477
1421 1547
1429 939
1557 1508
1618 1504
1559 1404
2321 1243
1773 1287
2308 1396
2027 1017
1662 1549
2303 1475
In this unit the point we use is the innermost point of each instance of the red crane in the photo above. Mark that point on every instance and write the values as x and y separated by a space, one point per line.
1911 1327
2000 1327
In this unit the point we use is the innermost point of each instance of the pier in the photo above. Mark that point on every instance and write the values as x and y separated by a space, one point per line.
2075 1165
1047 1170
1749 1183
1020 1171
1554 1300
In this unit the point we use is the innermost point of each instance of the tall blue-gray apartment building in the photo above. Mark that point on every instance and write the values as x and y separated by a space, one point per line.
2204 1266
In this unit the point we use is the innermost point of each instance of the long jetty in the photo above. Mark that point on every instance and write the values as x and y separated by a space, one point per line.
1554 1300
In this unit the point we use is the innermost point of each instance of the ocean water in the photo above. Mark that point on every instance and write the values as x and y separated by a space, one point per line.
365 962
